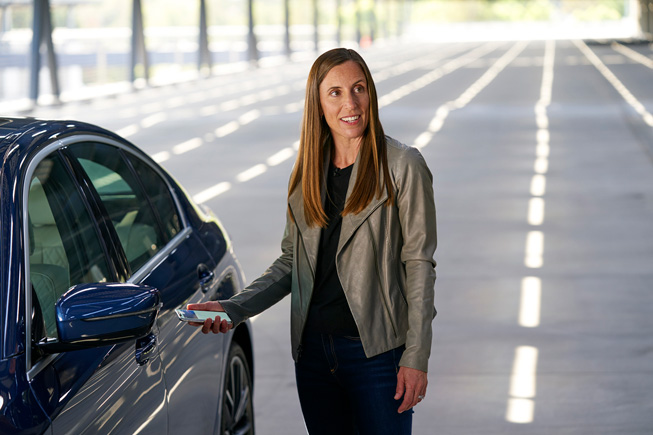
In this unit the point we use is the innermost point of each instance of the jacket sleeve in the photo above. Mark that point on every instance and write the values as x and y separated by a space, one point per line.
269 288
416 206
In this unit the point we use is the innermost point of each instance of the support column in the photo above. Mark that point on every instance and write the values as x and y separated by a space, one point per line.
339 23
204 55
401 17
42 35
371 14
138 50
251 37
286 10
316 27
359 33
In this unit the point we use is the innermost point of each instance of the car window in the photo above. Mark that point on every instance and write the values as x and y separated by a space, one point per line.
158 192
64 245
122 195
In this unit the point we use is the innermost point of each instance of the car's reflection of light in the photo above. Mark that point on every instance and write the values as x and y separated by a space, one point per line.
151 418
179 381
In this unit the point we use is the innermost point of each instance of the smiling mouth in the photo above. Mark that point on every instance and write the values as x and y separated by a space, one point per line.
350 119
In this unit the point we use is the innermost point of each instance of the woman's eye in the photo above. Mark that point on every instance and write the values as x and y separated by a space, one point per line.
334 93
359 89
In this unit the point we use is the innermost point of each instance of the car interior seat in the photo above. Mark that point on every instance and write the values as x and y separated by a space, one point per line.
137 239
48 262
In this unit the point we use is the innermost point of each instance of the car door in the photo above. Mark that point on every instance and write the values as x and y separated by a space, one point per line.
110 389
162 250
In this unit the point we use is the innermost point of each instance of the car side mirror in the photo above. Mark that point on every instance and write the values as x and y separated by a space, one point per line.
101 314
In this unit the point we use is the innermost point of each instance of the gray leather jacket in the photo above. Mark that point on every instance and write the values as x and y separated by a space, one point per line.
384 262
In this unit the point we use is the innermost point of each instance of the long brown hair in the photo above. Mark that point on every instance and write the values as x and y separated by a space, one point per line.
315 135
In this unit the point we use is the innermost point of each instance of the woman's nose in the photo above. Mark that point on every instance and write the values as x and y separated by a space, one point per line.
351 101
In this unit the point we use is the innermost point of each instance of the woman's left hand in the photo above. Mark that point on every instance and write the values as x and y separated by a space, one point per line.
411 383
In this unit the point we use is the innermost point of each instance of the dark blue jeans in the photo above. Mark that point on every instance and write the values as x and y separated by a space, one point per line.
342 392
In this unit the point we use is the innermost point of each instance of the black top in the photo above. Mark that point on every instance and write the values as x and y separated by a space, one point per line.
329 312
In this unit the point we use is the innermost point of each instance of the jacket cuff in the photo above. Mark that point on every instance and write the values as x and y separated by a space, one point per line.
414 361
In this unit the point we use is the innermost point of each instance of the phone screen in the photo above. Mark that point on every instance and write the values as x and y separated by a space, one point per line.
201 316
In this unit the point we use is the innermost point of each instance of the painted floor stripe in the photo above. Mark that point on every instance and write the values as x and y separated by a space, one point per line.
212 192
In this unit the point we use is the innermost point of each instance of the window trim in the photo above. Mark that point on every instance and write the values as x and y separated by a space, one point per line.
33 369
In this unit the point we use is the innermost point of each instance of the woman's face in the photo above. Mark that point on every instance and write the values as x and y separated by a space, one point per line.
345 102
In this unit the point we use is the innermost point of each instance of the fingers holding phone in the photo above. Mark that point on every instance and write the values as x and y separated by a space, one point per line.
216 326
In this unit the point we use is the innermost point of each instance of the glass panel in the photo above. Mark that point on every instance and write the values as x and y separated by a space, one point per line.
129 209
65 248
158 192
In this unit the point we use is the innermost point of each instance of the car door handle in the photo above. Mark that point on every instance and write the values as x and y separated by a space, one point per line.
145 348
205 276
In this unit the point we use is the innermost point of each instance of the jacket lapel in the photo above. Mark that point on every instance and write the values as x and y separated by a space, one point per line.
310 235
351 222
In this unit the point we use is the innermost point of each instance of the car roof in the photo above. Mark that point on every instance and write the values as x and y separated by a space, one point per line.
8 125
12 127
24 136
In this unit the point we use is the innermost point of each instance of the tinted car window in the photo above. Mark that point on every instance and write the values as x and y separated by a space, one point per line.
121 193
64 245
159 194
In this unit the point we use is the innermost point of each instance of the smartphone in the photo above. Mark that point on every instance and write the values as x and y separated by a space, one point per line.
201 316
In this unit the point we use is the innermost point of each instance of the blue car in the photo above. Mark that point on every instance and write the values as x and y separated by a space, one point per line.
99 246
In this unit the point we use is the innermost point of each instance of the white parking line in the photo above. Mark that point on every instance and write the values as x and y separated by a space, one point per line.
520 410
535 211
161 156
443 111
184 147
632 54
280 157
154 119
541 165
534 249
523 382
211 110
233 126
252 172
130 130
248 117
227 129
615 82
521 404
529 307
212 192
538 185
434 75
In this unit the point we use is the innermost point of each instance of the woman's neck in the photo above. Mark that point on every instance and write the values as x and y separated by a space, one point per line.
345 153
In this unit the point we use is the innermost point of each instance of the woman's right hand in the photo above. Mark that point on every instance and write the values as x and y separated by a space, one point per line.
215 325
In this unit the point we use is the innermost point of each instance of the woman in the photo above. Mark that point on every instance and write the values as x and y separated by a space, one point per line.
357 258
